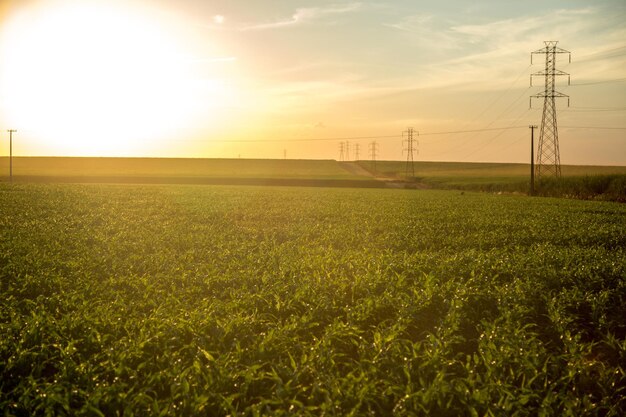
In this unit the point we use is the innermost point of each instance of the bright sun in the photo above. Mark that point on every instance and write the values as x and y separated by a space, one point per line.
93 80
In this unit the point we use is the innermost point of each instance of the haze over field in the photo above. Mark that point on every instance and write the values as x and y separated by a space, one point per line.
197 79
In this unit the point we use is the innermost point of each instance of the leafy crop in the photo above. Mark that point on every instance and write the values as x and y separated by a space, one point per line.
199 300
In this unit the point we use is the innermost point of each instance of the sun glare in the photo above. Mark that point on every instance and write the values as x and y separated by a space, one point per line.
95 80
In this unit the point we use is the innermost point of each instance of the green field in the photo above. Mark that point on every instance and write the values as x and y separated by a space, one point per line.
470 173
213 300
458 173
577 181
582 182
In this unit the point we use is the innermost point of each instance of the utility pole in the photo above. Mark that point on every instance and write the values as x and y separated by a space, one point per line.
341 153
357 147
548 156
347 150
11 131
532 159
373 148
410 150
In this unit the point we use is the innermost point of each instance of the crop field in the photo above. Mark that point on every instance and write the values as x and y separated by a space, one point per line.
476 172
42 167
122 300
578 181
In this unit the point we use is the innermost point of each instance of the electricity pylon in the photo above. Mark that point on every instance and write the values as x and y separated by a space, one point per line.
410 150
548 156
373 148
341 153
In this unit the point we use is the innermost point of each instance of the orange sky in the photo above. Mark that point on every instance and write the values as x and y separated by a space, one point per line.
193 78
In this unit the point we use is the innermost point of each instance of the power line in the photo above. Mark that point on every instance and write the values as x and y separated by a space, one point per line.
615 80
289 139
504 145
591 110
598 108
506 110
609 53
524 71
594 127
489 141
453 132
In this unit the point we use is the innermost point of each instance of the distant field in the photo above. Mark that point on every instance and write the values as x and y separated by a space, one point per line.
577 181
432 172
480 172
249 301
584 182
175 168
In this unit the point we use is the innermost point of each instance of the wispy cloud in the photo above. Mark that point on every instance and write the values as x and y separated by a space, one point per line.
513 30
411 23
489 54
307 14
428 32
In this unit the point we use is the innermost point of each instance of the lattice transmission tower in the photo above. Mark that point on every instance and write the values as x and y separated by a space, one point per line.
411 148
373 148
548 156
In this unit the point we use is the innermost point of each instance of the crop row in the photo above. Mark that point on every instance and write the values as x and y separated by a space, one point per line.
146 300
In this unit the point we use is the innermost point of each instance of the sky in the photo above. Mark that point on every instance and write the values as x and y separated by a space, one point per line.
269 79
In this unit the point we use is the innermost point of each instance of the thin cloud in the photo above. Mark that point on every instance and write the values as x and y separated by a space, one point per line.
480 56
426 31
511 31
411 23
307 14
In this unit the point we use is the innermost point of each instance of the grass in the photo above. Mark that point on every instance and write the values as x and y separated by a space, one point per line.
470 172
582 182
209 300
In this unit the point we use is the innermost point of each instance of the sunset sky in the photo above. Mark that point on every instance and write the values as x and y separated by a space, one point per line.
200 78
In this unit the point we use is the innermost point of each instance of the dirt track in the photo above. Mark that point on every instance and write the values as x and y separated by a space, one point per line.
389 182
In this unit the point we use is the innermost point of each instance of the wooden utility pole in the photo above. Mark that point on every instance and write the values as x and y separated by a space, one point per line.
11 131
532 159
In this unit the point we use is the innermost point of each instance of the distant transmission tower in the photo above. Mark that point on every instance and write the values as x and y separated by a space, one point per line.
411 147
373 148
357 148
548 156
347 150
341 153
